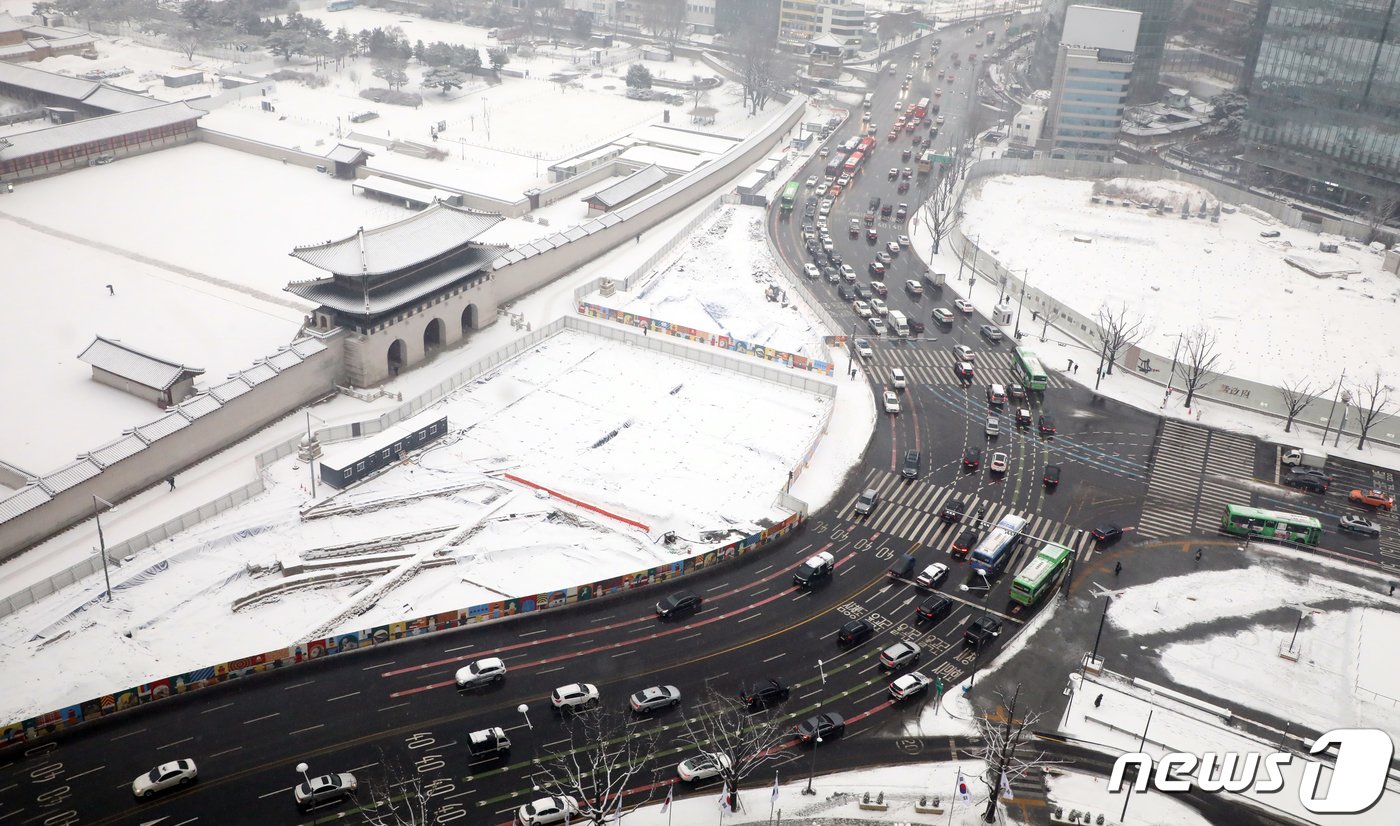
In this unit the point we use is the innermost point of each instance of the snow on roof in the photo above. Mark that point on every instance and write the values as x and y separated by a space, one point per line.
129 363
24 500
629 187
343 454
113 452
162 427
402 189
258 373
197 406
46 82
16 50
231 389
9 23
396 246
89 130
70 475
121 100
307 347
346 154
326 292
674 138
671 159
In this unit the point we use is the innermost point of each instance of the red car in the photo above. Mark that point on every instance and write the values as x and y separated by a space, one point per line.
1373 498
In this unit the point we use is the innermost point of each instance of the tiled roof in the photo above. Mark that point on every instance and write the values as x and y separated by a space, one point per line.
70 475
284 359
326 292
46 82
346 154
162 427
231 389
629 187
308 347
197 406
387 249
23 144
24 500
129 363
113 452
258 373
8 23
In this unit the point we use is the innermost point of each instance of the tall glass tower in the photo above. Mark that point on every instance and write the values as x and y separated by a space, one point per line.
1324 99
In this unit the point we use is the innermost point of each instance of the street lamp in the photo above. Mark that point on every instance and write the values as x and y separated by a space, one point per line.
1025 274
102 542
302 767
812 773
525 711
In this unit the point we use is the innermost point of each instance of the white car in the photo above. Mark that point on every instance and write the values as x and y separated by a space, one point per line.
998 462
481 672
914 287
897 379
932 576
876 325
903 241
165 776
574 696
655 698
879 307
964 305
964 353
942 315
811 181
824 211
811 270
893 247
702 767
324 789
547 810
883 257
821 222
844 179
910 685
891 401
848 272
863 349
862 309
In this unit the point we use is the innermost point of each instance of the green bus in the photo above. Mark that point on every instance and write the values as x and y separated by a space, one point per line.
790 195
1041 574
1247 521
1032 374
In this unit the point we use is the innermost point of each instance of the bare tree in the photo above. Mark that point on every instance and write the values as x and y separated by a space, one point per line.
1297 395
762 71
1117 330
943 208
741 741
607 752
1378 213
1006 757
1372 400
403 798
1198 361
696 91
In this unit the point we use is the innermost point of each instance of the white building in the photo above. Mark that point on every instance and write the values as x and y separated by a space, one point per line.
1090 84
800 21
1026 128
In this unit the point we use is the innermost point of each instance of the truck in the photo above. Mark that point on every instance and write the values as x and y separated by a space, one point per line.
899 323
488 744
1302 457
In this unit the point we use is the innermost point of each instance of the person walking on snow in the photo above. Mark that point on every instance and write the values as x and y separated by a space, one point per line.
170 480
1117 568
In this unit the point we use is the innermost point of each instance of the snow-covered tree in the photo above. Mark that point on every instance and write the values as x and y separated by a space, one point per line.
1007 758
391 72
445 78
638 77
499 58
722 726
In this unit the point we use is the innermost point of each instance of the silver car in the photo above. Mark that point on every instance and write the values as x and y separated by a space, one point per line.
324 789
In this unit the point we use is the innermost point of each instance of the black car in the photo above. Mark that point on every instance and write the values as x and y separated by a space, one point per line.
1314 483
935 608
862 292
972 458
991 333
826 725
910 469
844 293
874 203
1052 476
953 511
916 327
854 632
765 694
1107 532
965 542
982 630
1047 425
680 602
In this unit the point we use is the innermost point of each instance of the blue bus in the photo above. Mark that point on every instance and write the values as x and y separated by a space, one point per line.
993 552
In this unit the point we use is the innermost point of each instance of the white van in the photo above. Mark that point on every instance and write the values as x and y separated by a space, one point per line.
897 379
869 101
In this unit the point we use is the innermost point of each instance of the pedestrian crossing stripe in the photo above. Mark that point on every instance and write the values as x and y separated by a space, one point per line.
936 367
911 510
1195 473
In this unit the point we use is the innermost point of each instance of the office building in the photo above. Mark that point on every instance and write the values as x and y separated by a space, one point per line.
1148 48
799 21
1089 87
735 16
1324 100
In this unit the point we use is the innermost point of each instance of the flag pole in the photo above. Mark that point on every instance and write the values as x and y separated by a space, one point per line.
956 780
773 798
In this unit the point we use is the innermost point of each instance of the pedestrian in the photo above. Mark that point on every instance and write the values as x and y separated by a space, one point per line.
1117 568
1070 365
170 480
1076 369
644 329
1199 551
1098 701
111 290
1392 589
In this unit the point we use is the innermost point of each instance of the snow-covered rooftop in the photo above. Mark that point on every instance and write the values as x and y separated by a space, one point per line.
130 363
387 249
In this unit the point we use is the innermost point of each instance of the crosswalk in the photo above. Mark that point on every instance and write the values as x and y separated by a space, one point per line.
910 510
931 364
1195 473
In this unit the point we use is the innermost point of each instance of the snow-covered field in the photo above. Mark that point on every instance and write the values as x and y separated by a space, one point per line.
1180 273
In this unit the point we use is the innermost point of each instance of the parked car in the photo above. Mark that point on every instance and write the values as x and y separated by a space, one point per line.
547 810
765 694
328 788
909 685
574 696
1372 498
982 630
935 608
865 503
826 726
481 672
680 602
1359 525
855 632
1269 233
899 656
702 767
170 775
655 698
932 576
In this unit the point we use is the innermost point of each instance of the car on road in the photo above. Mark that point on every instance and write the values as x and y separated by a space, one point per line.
863 292
891 401
876 325
1015 391
854 632
170 775
327 788
862 309
1312 482
901 212
894 172
547 810
702 767
1269 233
963 353
899 656
972 458
865 503
863 349
1024 417
811 270
892 247
965 542
876 268
488 744
982 630
1047 425
1372 498
942 315
848 272
909 685
998 463
903 241
680 602
883 257
935 608
880 307
996 395
964 371
574 696
932 576
1107 532
826 726
910 468
897 378
1051 478
879 288
993 427
655 698
953 511
481 672
964 305
1359 525
913 287
816 569
811 181
765 694
991 333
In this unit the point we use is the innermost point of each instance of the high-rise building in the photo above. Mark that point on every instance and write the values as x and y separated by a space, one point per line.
1151 42
1324 99
1089 87
735 16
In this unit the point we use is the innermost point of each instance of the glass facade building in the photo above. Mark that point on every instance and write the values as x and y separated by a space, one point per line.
1324 99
